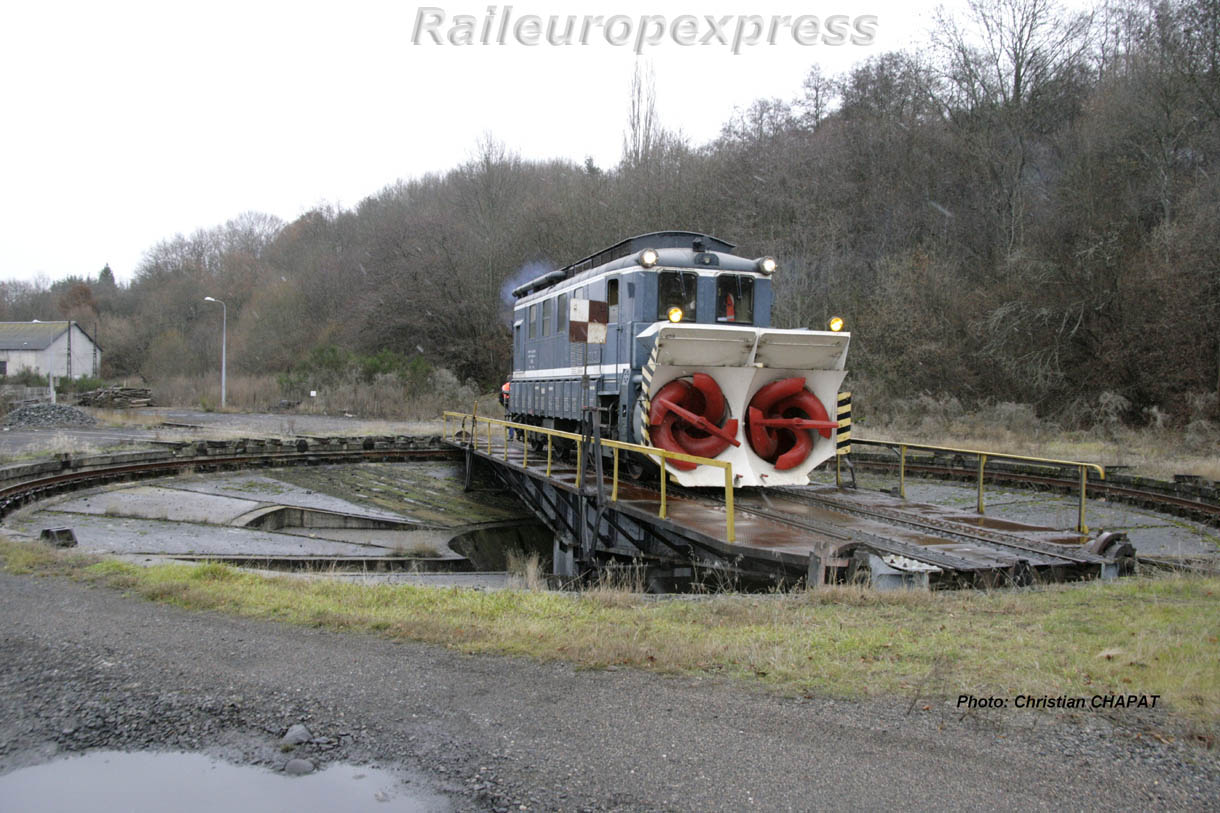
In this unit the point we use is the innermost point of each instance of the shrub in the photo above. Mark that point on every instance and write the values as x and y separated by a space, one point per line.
26 378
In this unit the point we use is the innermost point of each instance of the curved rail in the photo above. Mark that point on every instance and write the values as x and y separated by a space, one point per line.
1152 494
982 458
41 479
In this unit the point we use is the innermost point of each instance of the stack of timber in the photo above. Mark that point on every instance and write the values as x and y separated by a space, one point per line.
116 397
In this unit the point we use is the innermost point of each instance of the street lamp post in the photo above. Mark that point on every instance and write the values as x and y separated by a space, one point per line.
224 330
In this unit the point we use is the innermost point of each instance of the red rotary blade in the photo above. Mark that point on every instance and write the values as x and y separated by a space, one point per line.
781 419
793 423
691 417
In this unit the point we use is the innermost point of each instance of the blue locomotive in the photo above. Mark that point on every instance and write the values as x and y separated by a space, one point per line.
690 362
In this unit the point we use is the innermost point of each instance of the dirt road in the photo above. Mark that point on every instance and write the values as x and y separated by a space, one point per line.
84 668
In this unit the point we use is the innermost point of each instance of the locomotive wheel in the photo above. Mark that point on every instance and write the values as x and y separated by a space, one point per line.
537 443
562 449
633 467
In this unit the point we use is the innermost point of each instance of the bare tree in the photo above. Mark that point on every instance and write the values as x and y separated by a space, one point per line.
819 96
1003 70
640 137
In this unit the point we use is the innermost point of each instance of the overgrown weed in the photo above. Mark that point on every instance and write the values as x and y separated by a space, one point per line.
617 586
525 569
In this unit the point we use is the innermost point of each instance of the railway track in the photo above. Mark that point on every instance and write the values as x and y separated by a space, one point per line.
1186 496
951 529
24 483
947 552
878 524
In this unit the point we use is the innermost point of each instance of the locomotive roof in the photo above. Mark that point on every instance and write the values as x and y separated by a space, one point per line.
626 248
656 239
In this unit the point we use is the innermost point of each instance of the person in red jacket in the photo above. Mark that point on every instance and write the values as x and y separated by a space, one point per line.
504 397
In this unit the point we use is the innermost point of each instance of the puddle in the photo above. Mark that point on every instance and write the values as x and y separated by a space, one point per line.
106 781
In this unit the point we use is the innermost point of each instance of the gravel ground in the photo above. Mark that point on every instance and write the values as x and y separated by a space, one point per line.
87 668
43 415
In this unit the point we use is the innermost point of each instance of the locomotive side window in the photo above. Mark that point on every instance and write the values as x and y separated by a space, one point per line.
533 321
546 317
676 290
735 299
561 313
612 299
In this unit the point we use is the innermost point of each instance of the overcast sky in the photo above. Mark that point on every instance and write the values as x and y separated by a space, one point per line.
126 123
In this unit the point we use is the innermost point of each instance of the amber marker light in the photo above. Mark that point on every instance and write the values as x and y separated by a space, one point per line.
675 314
835 323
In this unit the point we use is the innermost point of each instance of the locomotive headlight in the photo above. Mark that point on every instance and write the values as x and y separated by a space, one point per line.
835 323
767 265
648 257
675 314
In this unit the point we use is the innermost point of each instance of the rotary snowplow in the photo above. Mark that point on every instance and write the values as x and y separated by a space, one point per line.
761 398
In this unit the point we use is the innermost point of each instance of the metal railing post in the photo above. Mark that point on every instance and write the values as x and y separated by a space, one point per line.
902 471
616 446
1080 526
664 477
614 488
730 524
982 463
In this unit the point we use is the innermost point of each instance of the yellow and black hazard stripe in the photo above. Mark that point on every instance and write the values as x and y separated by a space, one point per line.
843 435
650 369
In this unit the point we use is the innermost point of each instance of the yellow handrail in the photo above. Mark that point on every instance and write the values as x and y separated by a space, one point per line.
983 457
460 419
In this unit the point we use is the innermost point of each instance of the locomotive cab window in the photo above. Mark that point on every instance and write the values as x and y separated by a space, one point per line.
546 316
533 321
561 313
677 289
612 299
735 299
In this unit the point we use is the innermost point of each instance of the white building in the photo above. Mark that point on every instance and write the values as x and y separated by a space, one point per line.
61 349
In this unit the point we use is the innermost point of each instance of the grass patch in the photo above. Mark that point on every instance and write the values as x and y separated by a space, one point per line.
1140 635
138 417
420 550
60 443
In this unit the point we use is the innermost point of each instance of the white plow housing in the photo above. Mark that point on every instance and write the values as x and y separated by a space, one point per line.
743 360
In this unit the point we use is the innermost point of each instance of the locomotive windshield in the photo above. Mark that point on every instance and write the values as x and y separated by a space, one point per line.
735 299
677 289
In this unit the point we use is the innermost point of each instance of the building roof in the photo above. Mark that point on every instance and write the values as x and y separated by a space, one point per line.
33 335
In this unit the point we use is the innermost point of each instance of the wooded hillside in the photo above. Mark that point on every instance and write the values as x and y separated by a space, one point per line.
1025 210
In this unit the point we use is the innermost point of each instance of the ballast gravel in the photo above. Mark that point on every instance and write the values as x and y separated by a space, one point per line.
37 416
